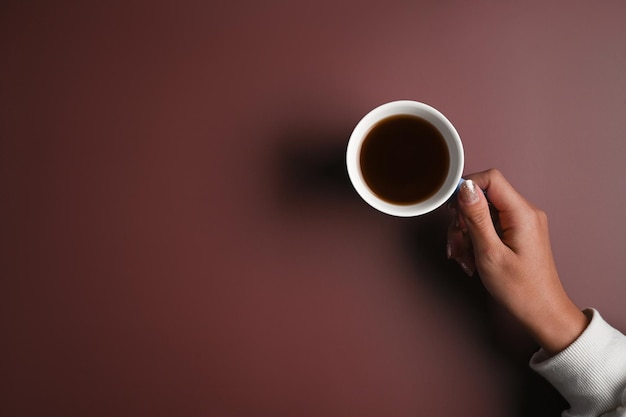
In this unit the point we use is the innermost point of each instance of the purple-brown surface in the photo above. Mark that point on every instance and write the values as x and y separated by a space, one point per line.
178 236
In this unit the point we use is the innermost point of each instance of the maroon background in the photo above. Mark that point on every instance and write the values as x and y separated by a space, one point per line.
179 237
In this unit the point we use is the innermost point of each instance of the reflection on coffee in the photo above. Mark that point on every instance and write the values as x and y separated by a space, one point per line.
404 159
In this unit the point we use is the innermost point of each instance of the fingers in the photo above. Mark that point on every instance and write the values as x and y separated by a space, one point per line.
460 249
474 209
500 192
491 243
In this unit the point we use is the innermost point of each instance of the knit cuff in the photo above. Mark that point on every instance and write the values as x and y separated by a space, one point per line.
591 372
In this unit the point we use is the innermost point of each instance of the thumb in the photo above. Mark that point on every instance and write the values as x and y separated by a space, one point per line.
474 209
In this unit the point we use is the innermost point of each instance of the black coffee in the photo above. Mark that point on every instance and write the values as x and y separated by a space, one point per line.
404 159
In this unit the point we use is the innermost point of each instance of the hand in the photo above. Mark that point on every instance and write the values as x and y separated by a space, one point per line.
516 265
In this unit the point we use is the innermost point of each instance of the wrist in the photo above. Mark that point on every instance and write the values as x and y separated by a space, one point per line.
557 326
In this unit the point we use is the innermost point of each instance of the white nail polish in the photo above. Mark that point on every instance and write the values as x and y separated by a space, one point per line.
469 192
464 267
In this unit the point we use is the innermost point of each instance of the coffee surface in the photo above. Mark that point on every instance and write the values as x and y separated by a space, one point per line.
404 159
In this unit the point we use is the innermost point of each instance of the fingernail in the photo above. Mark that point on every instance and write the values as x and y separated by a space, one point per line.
449 250
465 267
468 192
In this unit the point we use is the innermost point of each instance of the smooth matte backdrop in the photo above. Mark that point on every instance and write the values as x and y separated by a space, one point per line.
179 237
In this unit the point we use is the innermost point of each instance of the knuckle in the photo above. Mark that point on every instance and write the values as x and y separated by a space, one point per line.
543 216
540 218
494 173
480 219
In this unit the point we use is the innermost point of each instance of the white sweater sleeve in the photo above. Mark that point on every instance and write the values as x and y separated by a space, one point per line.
591 372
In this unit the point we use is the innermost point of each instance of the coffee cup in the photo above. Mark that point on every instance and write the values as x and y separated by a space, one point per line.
405 158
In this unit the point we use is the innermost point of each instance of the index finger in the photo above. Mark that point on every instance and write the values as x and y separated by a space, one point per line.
500 193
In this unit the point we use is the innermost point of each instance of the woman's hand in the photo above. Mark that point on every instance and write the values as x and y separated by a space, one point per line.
514 263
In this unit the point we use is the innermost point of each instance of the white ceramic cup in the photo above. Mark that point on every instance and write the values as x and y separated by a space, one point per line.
443 125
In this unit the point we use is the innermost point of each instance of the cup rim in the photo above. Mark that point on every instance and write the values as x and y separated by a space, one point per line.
432 115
